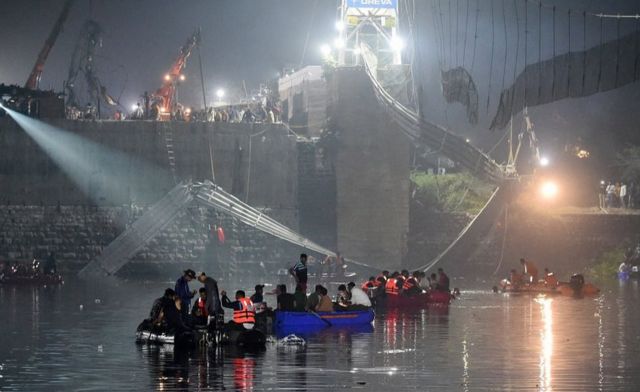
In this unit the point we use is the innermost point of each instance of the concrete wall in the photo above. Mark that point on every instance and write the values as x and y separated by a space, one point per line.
261 169
372 174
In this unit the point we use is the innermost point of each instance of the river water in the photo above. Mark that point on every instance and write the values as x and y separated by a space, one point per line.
80 336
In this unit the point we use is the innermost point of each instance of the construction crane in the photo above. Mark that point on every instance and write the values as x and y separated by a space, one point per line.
165 96
33 81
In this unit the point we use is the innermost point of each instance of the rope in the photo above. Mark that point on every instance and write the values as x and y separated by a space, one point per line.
506 45
617 52
504 239
466 32
601 52
306 40
515 65
553 81
444 45
526 46
457 28
584 48
539 51
246 197
450 34
475 36
635 49
493 33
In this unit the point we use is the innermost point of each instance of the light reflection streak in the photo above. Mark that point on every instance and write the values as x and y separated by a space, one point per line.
601 338
465 365
546 337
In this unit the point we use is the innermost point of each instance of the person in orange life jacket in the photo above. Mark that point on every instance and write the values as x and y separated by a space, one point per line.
393 285
244 315
369 284
411 285
549 278
530 269
516 278
199 311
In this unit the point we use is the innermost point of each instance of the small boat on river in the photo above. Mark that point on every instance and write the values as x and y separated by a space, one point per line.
576 287
323 319
420 301
32 279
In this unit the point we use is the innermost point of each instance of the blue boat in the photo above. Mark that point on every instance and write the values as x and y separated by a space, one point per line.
323 319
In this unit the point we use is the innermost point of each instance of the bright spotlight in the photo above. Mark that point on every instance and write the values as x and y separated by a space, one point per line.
134 106
549 190
182 78
167 77
467 140
325 49
338 43
187 110
397 44
544 161
339 25
357 51
219 93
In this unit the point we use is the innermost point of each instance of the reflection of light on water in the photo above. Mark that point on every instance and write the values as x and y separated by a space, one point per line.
546 336
600 345
465 366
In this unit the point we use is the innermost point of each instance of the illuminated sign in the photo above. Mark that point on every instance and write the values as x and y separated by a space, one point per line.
372 3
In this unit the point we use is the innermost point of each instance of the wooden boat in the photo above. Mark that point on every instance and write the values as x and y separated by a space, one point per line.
323 319
576 288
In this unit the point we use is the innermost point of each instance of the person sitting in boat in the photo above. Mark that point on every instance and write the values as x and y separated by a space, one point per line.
550 279
359 300
199 312
299 299
411 287
392 287
433 282
443 281
325 304
530 270
342 299
172 316
244 314
156 315
516 279
286 301
314 298
258 296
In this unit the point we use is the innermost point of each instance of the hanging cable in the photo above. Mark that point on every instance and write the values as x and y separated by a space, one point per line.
569 70
515 65
506 45
444 45
539 50
493 41
584 48
466 32
457 29
526 46
553 80
437 31
601 52
450 34
475 35
635 63
617 52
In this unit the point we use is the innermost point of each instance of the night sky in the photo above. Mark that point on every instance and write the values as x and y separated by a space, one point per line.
252 40
241 40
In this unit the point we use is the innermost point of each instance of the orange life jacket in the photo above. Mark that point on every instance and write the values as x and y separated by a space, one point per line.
391 287
409 283
247 314
202 306
367 285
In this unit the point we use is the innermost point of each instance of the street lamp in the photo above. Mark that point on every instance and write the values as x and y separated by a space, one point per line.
220 93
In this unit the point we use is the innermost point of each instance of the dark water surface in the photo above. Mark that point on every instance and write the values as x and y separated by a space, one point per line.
485 341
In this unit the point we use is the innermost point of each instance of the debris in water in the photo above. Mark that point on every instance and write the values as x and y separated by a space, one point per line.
292 340
81 306
99 348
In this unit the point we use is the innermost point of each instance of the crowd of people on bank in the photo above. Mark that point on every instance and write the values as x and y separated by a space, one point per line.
617 195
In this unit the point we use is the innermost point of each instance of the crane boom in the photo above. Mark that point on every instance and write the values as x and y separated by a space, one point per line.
166 93
33 81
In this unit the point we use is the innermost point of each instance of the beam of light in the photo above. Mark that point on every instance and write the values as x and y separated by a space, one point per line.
102 174
546 342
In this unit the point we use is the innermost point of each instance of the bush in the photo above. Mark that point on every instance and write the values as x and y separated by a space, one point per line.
607 263
459 192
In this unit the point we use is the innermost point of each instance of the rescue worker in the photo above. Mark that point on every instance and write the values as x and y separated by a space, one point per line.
369 284
391 287
244 314
213 300
550 279
443 280
299 272
199 311
184 293
529 269
516 278
411 285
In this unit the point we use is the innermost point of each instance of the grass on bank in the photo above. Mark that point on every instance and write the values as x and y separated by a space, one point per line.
458 192
606 265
